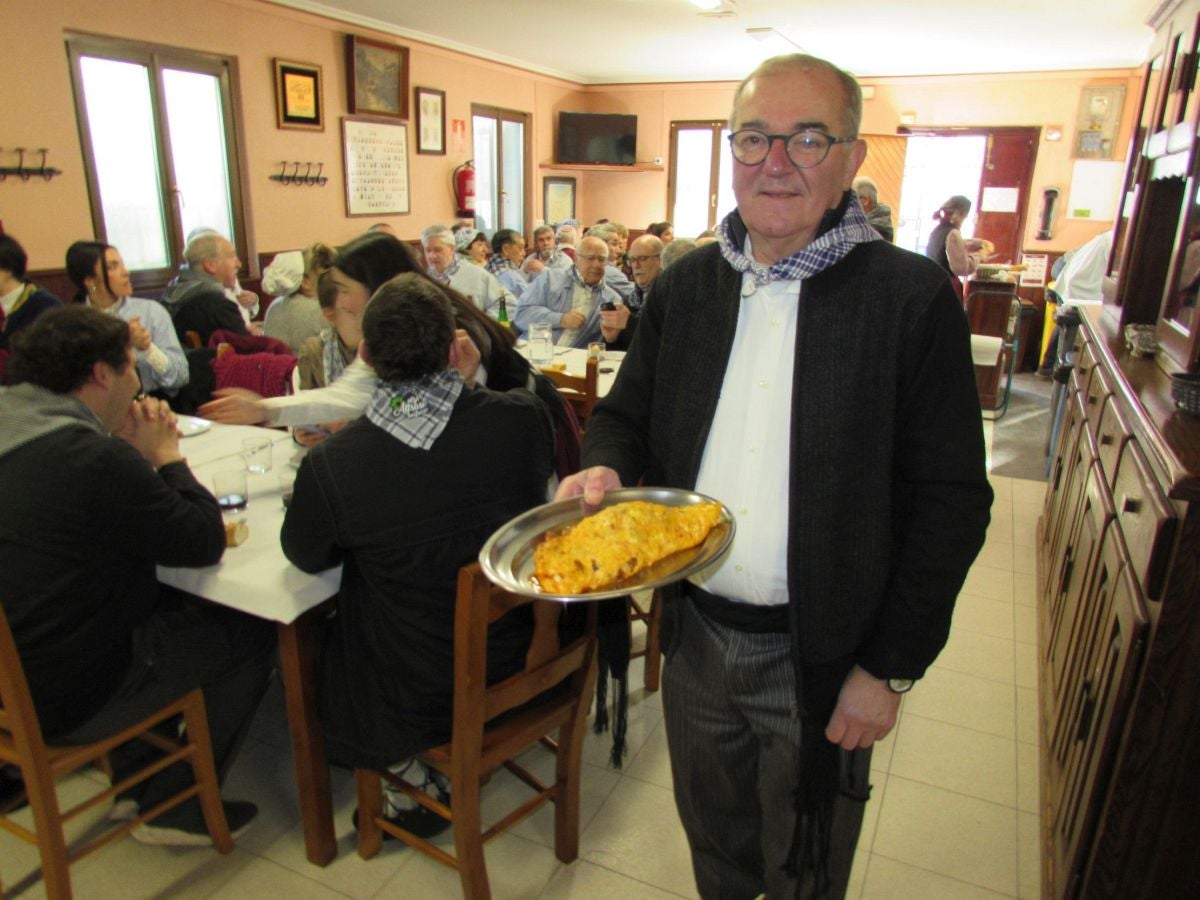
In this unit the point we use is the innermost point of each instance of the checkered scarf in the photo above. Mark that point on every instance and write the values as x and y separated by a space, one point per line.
444 277
840 231
332 356
498 263
415 412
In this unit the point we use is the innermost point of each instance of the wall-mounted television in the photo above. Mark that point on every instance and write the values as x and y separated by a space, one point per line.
597 138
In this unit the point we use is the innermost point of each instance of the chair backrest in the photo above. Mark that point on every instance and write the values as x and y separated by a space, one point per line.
579 391
547 664
18 719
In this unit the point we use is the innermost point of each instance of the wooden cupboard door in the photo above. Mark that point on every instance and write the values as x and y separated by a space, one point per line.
1148 521
1096 396
1095 728
1063 492
1085 364
1111 437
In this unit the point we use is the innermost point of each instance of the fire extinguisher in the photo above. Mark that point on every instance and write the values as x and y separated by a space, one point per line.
464 190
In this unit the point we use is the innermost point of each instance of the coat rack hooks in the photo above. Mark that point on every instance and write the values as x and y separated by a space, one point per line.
27 172
293 176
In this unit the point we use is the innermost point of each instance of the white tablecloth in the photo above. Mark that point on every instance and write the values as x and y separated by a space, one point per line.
576 362
255 577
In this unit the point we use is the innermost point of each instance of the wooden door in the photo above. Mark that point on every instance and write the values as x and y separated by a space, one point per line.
1007 166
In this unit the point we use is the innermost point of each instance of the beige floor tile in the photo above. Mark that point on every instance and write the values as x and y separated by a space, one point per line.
1002 487
130 869
1029 860
976 653
888 879
984 615
1027 665
881 753
1028 782
858 874
1000 528
515 868
653 763
583 879
957 759
264 878
996 554
641 720
1027 715
638 695
1025 623
951 834
866 836
1025 490
1025 517
990 582
964 700
1025 590
1024 560
637 833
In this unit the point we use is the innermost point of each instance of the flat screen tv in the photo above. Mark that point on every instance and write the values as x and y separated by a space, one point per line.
597 138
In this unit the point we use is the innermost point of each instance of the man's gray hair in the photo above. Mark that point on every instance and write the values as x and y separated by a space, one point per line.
864 185
437 232
604 231
542 228
566 234
677 248
852 109
203 246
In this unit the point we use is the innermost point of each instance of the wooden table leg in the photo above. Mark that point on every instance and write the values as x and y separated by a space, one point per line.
308 743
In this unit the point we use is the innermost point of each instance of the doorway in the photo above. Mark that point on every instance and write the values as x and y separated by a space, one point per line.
936 168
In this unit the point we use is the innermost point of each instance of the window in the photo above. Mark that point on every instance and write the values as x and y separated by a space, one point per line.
700 186
160 146
500 138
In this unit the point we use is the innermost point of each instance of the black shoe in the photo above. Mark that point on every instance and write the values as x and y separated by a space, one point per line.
422 822
239 814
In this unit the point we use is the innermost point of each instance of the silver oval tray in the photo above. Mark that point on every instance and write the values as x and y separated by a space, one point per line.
507 557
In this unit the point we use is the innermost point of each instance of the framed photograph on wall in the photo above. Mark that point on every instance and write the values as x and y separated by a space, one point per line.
431 120
558 199
375 155
377 77
299 95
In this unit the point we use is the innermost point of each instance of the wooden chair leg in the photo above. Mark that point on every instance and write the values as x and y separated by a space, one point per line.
468 839
566 778
52 844
369 786
205 771
653 666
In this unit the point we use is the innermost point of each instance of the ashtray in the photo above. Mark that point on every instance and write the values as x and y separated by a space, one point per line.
1141 340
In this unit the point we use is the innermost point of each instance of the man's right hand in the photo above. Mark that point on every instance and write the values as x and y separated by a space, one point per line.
572 320
590 484
151 428
235 406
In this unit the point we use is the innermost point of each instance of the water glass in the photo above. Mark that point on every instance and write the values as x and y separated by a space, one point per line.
596 350
287 482
541 344
230 490
256 451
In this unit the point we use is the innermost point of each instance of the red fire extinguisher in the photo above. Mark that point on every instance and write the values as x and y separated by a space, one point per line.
464 190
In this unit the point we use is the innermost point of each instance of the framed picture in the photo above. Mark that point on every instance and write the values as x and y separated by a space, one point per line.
376 162
431 120
558 198
377 76
299 95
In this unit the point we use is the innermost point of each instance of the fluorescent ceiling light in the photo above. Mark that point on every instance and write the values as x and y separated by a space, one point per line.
706 4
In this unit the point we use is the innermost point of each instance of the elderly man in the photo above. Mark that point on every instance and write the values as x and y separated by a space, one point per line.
197 299
565 237
508 252
544 249
572 300
878 214
619 325
817 381
613 276
102 643
470 280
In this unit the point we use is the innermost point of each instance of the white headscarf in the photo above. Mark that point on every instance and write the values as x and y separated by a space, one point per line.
283 276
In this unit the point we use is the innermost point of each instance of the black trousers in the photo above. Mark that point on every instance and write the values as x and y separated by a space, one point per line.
187 643
733 732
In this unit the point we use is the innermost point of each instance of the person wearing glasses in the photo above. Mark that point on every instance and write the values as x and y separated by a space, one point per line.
571 300
817 380
617 326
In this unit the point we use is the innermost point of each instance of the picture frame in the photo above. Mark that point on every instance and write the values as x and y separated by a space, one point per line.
376 78
375 158
558 198
430 104
299 95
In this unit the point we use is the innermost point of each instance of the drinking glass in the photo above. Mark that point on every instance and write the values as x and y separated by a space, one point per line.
256 451
541 344
230 489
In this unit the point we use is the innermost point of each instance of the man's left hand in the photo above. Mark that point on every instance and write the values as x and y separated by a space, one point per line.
865 713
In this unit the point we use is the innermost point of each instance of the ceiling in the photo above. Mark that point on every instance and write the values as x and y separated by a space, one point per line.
628 41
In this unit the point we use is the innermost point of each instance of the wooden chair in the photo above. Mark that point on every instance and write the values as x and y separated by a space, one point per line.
484 738
580 392
650 613
22 745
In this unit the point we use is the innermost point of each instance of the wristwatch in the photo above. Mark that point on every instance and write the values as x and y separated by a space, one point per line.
900 685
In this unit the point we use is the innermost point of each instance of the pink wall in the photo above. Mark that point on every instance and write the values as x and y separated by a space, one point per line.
46 217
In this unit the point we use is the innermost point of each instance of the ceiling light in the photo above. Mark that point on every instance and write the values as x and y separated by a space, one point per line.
763 33
706 4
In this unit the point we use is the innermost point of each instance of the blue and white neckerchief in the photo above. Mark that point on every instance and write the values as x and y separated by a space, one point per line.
829 247
332 355
444 277
415 412
498 263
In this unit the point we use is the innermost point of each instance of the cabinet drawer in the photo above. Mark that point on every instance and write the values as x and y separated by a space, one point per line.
1146 519
1085 362
1112 435
1099 389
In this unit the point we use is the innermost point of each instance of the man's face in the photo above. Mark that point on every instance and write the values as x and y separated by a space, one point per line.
782 205
645 257
123 387
224 266
590 259
514 250
866 202
616 246
439 254
543 241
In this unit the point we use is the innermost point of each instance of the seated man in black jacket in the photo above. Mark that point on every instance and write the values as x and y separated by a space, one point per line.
402 498
196 299
96 494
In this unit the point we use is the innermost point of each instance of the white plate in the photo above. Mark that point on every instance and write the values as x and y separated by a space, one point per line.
190 426
507 557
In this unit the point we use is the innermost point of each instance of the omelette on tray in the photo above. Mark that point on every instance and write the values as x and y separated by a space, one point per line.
617 542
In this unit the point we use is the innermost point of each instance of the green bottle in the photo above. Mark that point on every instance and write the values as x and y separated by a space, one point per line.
502 315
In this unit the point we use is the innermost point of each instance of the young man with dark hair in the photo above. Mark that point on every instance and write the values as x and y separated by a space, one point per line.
20 301
402 498
96 495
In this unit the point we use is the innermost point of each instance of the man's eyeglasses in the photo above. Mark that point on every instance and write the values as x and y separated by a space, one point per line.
805 148
639 260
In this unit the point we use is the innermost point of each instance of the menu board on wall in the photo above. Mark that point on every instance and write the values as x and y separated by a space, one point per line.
376 163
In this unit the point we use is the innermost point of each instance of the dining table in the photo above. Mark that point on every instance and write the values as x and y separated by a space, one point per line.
575 360
256 578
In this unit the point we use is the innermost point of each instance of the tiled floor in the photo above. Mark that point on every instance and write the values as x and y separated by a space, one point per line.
953 814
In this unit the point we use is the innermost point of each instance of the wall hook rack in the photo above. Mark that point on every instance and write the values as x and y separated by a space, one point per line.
24 172
294 176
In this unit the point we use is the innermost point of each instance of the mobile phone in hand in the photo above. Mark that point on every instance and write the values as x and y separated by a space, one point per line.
608 307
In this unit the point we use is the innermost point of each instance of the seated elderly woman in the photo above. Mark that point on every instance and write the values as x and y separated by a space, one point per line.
416 449
21 301
103 283
295 315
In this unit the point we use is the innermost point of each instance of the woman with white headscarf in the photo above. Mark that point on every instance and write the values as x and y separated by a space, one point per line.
295 315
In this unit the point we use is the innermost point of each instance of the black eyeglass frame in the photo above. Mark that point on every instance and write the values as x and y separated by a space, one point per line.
787 139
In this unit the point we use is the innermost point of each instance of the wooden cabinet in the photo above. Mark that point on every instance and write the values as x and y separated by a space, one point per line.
1119 633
